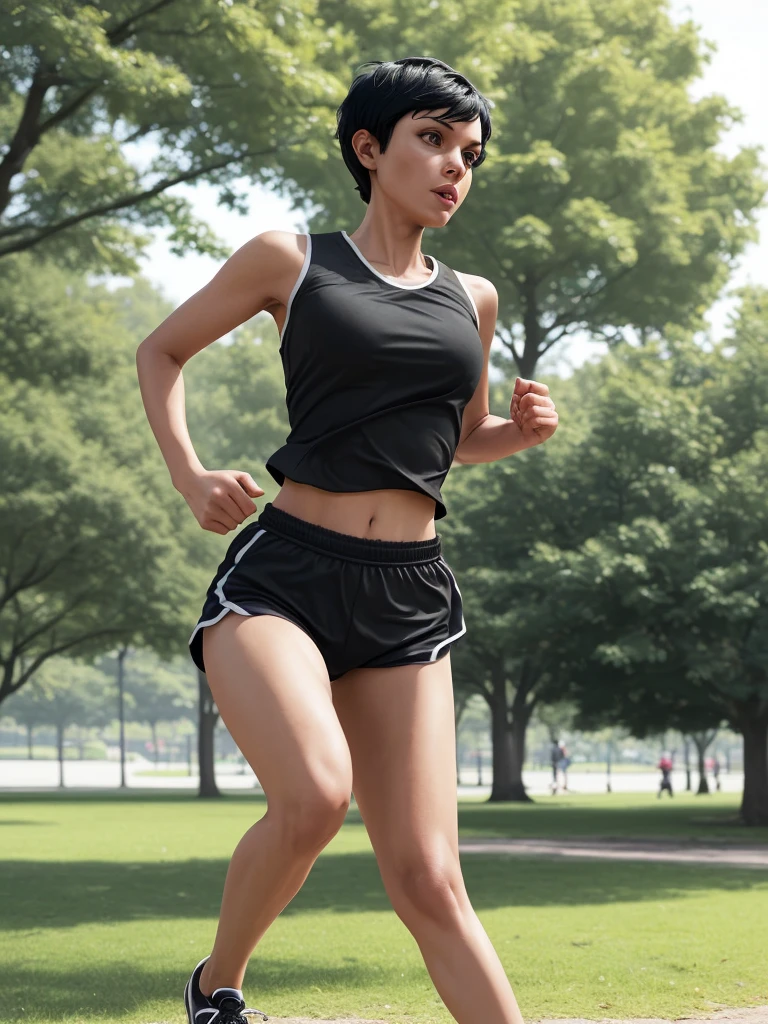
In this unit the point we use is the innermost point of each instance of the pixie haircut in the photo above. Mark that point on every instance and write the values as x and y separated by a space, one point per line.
377 100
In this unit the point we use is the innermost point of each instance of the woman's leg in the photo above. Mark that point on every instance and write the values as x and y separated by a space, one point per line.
271 687
399 724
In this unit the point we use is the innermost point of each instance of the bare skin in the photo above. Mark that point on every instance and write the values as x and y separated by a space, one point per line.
311 743
386 734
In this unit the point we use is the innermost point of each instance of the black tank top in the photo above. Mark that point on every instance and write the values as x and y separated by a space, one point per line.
377 373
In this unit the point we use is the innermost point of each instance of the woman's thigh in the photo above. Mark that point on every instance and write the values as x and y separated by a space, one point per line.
271 687
400 726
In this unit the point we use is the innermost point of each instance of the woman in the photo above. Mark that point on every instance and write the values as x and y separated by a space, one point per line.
326 631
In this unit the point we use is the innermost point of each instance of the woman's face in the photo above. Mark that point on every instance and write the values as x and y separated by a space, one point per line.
424 156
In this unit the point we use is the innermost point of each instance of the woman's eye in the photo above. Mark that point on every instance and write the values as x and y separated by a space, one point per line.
438 136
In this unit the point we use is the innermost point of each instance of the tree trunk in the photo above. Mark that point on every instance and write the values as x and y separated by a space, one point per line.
508 738
459 706
753 725
208 716
687 752
30 747
153 727
60 746
702 741
703 783
501 781
517 733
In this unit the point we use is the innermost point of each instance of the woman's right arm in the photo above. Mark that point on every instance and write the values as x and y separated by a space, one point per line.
251 280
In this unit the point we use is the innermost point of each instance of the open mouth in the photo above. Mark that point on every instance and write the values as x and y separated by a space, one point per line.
447 193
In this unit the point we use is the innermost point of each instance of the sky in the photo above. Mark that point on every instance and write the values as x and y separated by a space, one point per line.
739 28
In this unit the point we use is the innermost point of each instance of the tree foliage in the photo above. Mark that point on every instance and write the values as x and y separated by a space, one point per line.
604 204
217 89
641 592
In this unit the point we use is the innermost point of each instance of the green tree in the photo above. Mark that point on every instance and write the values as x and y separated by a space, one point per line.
510 655
96 547
629 555
604 205
87 499
160 692
28 710
66 693
663 606
220 90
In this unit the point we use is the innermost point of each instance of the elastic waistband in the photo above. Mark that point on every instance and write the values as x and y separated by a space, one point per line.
344 545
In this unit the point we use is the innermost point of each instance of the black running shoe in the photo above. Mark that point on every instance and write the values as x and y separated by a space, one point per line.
225 1005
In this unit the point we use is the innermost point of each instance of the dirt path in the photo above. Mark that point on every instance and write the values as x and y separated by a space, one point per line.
749 1015
725 854
755 1015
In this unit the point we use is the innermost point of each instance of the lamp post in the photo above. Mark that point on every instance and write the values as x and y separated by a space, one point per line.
122 651
608 788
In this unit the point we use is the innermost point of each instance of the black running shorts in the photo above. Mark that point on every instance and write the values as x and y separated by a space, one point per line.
365 603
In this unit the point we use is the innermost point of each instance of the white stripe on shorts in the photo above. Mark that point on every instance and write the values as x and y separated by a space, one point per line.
227 606
463 630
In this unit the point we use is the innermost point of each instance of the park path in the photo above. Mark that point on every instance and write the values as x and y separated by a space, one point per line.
749 1015
746 1015
694 852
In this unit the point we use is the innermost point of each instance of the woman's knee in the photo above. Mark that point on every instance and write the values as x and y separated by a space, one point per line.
424 884
309 819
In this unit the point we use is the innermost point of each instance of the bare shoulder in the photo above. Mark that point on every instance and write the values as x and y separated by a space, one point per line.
257 276
276 258
279 242
485 297
482 289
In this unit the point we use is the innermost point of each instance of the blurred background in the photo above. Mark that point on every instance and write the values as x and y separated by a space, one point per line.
614 580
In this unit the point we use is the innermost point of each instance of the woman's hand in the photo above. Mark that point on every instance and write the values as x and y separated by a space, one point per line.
220 498
533 411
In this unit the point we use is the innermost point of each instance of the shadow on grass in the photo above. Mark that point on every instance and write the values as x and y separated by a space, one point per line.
23 821
122 989
131 796
55 895
547 819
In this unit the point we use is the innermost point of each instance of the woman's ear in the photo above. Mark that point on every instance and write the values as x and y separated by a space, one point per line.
366 148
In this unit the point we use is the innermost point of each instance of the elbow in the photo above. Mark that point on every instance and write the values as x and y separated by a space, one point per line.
141 352
148 352
142 357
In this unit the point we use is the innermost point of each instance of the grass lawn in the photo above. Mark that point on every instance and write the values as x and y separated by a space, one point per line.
108 901
685 817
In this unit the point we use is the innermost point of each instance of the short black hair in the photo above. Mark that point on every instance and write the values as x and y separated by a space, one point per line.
377 99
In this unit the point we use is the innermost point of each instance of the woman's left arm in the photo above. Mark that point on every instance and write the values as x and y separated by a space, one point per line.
533 419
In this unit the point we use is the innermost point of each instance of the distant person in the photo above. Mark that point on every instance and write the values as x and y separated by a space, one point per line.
665 767
563 764
716 771
554 755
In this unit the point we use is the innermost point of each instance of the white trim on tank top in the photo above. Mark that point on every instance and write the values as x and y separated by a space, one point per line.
299 279
389 280
470 297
